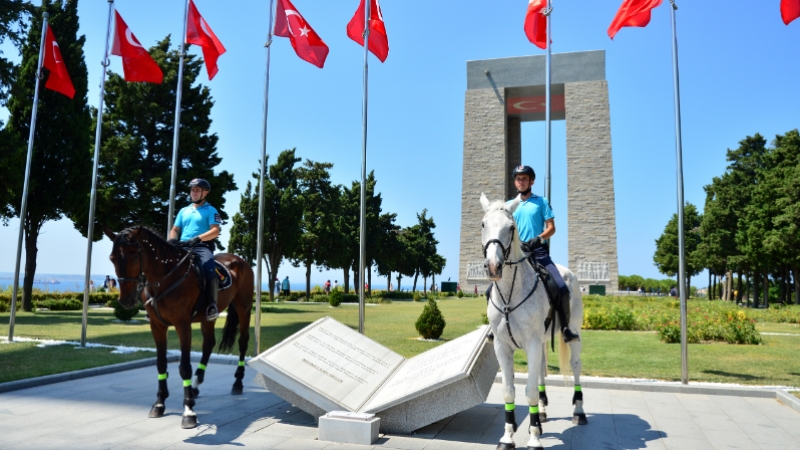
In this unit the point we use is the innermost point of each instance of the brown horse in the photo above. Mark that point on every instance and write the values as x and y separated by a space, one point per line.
161 275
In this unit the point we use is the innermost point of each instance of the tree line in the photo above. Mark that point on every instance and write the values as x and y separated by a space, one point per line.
750 225
310 221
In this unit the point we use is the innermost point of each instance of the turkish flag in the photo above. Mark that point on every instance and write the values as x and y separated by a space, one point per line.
58 80
378 40
305 41
199 33
536 23
137 64
790 10
632 13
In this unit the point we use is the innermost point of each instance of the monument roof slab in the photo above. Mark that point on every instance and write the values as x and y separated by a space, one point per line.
521 71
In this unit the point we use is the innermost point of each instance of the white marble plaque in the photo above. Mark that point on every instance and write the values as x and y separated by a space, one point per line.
426 371
593 271
333 360
476 271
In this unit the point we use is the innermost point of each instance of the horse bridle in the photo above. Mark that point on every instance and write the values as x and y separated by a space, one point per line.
142 283
506 249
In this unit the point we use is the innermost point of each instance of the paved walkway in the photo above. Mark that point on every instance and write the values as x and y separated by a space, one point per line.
110 411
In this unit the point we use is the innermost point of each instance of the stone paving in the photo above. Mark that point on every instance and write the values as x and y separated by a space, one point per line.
110 412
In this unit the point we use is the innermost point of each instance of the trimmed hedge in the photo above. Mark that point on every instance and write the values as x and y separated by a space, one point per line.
57 301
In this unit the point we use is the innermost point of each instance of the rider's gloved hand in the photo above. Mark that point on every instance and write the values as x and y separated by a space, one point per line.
193 242
532 244
173 241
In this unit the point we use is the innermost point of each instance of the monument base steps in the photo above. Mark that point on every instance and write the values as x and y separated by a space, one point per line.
361 429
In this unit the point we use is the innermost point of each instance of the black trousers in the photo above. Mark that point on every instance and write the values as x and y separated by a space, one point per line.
541 257
206 257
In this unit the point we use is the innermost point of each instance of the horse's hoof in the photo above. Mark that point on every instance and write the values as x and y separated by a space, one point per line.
237 390
504 446
156 411
535 448
195 392
542 417
579 419
189 422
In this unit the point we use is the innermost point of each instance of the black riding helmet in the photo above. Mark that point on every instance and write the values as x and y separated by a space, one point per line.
524 170
201 183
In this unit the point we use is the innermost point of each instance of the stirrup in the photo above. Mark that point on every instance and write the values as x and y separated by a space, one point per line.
569 336
211 313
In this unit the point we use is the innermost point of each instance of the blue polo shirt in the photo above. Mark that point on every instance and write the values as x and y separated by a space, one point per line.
195 221
530 215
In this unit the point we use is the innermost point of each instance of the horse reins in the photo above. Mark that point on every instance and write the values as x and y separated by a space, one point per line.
506 309
142 284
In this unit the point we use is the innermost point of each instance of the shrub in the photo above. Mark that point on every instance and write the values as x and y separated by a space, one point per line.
397 295
484 319
122 313
335 299
416 296
69 304
430 323
460 294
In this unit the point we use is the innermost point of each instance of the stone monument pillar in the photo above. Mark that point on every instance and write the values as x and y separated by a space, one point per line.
503 93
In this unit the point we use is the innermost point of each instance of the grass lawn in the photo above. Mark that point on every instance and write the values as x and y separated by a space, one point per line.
605 353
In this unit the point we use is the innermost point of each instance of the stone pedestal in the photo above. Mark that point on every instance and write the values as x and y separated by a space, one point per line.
349 428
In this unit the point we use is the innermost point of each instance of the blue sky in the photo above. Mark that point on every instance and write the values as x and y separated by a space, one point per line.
738 76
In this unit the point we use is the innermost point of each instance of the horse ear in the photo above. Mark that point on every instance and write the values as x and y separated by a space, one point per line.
110 233
511 207
484 202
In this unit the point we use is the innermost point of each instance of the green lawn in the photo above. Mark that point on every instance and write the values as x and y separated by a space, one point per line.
605 353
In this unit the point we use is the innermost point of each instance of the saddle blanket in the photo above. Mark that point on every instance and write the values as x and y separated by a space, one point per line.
224 275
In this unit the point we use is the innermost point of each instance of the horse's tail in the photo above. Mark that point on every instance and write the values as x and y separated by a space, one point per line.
563 357
229 330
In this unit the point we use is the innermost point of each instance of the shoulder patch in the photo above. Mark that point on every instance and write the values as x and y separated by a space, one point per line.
217 218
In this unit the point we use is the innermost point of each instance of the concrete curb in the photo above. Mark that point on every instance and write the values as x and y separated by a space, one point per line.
103 370
656 386
788 399
78 374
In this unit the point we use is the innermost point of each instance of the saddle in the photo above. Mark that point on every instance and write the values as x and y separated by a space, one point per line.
224 275
551 288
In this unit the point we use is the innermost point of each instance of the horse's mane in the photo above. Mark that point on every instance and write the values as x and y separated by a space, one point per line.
161 249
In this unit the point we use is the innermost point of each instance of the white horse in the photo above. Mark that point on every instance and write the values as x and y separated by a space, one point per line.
518 306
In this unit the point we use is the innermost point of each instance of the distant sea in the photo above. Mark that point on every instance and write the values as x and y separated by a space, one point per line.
74 283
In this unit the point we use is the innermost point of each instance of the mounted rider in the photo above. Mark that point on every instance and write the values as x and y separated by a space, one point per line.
196 226
536 224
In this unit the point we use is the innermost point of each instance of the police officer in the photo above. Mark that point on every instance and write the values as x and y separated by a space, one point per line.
536 224
196 226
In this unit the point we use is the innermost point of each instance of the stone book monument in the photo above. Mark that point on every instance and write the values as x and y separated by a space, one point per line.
327 367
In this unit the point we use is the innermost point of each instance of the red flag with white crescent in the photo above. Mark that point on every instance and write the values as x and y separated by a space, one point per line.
790 10
305 41
378 40
137 64
536 23
58 80
632 13
199 33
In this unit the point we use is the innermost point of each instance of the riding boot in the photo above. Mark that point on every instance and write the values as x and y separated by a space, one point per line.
562 317
212 285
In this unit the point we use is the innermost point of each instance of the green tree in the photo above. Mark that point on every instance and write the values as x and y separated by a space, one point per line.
421 237
14 15
136 149
61 166
666 256
318 241
283 213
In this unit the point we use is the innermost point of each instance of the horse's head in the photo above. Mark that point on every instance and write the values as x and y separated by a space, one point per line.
499 236
126 256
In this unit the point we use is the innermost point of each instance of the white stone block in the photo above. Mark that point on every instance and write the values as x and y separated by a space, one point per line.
349 427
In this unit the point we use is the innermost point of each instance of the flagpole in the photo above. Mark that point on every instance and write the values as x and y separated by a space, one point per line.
24 209
93 197
679 158
177 125
547 138
363 230
259 239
